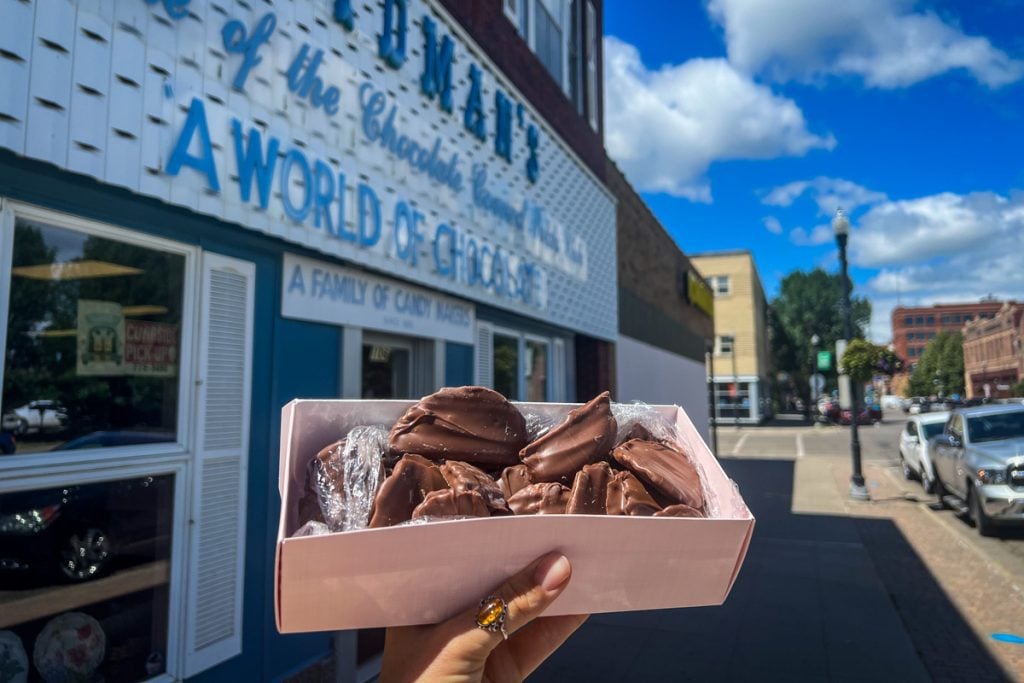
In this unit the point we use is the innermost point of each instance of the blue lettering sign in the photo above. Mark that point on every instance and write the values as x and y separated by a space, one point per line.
238 42
195 122
343 14
474 119
176 9
300 212
323 195
297 282
304 82
251 161
418 156
407 233
532 164
502 126
493 204
369 212
437 65
391 44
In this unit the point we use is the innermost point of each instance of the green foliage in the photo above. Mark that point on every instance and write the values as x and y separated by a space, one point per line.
810 303
1018 388
862 360
941 368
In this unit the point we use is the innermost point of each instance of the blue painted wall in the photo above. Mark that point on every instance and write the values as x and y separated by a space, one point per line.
290 359
458 364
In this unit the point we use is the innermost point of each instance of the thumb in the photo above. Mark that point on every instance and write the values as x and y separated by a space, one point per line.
527 594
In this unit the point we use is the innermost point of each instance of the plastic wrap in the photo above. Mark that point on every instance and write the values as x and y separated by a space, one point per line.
346 480
312 528
640 421
538 424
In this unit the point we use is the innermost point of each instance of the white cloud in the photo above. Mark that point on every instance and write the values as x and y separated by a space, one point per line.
942 248
772 225
884 42
665 127
821 234
828 193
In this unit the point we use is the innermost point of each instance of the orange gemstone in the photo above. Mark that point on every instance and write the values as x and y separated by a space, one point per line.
491 613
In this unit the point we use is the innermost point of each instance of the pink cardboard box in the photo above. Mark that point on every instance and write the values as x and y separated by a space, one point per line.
424 573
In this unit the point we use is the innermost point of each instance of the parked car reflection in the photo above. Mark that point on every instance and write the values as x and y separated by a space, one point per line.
77 533
35 416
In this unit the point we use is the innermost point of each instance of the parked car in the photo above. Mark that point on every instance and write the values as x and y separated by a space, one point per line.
919 405
915 447
39 416
75 533
979 459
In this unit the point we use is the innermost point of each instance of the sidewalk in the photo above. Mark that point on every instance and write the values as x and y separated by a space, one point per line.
810 603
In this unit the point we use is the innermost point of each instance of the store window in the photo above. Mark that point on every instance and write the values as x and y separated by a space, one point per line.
93 341
522 367
732 400
506 366
86 579
386 371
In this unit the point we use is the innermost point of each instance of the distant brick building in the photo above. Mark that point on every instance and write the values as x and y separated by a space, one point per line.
994 353
913 328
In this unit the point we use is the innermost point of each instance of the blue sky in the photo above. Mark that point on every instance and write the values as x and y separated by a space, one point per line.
743 123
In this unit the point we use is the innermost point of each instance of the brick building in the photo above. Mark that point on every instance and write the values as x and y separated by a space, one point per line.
994 353
914 327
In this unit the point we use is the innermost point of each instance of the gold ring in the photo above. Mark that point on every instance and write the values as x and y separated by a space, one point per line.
491 615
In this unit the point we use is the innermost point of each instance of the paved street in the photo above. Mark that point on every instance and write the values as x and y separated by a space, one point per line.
832 589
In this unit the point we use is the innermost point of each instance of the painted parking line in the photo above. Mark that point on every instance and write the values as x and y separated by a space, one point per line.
799 445
739 444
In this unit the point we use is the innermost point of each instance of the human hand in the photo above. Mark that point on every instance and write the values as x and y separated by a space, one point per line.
459 651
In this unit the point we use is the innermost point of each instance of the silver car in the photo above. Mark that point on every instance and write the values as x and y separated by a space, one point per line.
979 459
915 447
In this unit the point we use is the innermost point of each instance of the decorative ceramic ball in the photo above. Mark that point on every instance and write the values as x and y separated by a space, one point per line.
70 648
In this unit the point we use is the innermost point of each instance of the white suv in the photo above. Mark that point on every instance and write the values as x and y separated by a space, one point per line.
915 456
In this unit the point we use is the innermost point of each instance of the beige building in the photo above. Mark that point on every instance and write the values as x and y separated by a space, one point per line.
994 353
740 359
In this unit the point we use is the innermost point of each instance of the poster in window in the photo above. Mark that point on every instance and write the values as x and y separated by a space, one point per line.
100 338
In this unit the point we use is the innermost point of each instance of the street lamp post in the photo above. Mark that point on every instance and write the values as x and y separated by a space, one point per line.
841 228
815 340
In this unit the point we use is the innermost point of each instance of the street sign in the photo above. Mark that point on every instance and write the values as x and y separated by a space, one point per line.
824 361
817 383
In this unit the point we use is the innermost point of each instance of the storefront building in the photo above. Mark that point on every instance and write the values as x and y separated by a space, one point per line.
666 313
209 208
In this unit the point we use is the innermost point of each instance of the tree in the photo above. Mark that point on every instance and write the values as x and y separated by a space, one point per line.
862 360
1018 388
941 368
809 303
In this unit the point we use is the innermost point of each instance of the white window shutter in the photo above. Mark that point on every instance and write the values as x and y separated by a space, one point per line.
219 477
484 375
558 371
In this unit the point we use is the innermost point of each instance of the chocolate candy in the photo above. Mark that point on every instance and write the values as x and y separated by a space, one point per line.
471 424
412 479
540 499
586 435
462 476
514 479
451 503
590 490
627 496
664 469
678 511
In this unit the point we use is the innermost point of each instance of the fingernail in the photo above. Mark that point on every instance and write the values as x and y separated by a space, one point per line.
552 572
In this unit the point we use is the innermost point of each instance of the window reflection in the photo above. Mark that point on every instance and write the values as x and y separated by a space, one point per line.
84 572
93 340
506 366
536 371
